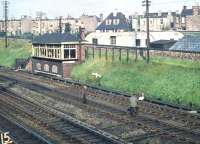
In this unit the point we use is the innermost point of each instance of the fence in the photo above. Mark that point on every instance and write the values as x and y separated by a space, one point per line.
134 53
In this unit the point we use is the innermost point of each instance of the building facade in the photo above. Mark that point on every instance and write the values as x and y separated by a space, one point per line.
116 30
130 39
161 21
190 18
40 26
90 23
115 22
56 54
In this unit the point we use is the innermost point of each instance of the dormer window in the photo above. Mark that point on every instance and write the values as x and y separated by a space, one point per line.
116 21
108 22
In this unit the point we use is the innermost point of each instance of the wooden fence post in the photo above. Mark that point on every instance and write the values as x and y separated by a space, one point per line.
120 54
127 58
106 53
136 54
93 52
100 52
113 54
87 52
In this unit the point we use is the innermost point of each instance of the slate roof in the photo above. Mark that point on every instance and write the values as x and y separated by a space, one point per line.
160 15
55 38
162 42
188 43
123 23
187 12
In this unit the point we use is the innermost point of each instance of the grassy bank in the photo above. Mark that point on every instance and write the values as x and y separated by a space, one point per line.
16 49
167 79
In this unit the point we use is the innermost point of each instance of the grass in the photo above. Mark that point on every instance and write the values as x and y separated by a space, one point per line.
16 49
166 79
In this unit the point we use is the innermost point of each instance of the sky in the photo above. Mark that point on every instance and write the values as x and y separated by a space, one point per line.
75 8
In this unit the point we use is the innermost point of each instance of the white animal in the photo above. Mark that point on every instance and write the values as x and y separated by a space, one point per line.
193 112
96 75
141 98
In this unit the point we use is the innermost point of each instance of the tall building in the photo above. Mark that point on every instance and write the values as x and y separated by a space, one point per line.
26 24
42 25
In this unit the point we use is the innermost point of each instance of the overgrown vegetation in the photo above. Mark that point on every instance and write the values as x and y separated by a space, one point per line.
166 79
16 49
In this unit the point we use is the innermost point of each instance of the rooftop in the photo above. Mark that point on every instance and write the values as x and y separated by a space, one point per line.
122 25
187 12
55 38
187 43
161 15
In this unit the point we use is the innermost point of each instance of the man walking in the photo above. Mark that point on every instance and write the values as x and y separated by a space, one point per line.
133 105
84 93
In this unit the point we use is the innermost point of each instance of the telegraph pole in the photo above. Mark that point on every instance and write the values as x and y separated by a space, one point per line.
5 10
147 4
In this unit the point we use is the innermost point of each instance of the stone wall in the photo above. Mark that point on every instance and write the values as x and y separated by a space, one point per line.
180 55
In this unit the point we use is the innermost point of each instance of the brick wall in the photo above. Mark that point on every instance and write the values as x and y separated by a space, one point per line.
81 53
29 66
39 65
67 69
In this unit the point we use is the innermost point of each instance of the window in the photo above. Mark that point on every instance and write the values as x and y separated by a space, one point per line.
95 41
70 52
50 52
183 20
172 25
113 40
56 51
144 22
70 46
66 53
54 69
138 42
161 21
38 66
108 22
46 67
116 21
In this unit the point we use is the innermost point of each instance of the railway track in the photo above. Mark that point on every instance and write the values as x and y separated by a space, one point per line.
19 134
67 129
180 116
184 135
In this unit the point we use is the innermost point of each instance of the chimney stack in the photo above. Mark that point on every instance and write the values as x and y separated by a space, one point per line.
196 9
101 17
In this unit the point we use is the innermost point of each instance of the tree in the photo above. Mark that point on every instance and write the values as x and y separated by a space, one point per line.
67 28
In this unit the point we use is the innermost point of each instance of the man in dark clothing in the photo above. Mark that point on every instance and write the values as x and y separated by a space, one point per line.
133 106
84 94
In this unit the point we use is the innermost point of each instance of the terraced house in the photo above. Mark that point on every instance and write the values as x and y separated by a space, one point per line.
56 53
